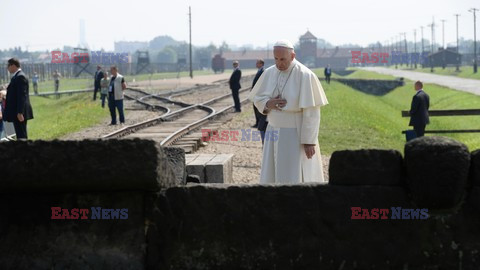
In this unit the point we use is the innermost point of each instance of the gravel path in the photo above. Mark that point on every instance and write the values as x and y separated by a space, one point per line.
97 131
247 154
203 95
462 84
186 82
135 112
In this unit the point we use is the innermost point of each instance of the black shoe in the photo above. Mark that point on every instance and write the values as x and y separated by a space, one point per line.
255 126
238 111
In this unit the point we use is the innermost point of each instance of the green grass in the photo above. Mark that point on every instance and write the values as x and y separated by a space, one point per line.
55 118
355 120
357 74
465 71
65 84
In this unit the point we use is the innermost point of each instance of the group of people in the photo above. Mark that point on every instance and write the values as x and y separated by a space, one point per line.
234 82
15 104
288 94
287 98
111 87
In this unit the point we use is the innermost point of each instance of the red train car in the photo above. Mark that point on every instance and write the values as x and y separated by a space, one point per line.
218 63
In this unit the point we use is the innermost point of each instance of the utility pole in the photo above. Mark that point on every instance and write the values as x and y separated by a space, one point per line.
400 48
458 60
396 43
431 43
415 46
423 47
474 39
443 44
443 33
190 30
398 38
432 26
406 49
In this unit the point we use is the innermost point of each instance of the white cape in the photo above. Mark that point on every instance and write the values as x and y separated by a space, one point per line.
284 159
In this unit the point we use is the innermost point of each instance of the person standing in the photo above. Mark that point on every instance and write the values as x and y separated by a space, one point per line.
97 78
419 110
56 78
104 88
328 73
18 109
235 85
3 93
115 95
35 82
260 66
290 95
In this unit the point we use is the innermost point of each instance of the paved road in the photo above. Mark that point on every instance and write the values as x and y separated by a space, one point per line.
462 84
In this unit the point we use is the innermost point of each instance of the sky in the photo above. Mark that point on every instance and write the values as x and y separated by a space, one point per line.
49 24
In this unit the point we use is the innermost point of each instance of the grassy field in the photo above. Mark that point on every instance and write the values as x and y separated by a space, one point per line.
355 120
82 83
57 117
465 71
65 84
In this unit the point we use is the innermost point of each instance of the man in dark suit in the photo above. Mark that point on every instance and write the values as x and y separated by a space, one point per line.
260 65
328 73
18 109
98 77
419 110
235 85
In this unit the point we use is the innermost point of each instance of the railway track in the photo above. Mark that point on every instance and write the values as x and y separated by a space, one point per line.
179 121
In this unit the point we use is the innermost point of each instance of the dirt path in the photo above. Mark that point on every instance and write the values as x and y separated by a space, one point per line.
247 154
186 82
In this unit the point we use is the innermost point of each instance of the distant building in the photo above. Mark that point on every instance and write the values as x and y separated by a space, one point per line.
445 57
337 58
248 59
130 46
307 53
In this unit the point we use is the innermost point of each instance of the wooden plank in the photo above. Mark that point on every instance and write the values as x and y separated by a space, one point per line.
190 157
447 112
197 165
219 169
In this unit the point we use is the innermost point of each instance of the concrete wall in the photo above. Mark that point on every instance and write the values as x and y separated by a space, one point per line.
112 174
242 226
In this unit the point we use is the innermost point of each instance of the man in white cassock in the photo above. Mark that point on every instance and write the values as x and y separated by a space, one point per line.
290 95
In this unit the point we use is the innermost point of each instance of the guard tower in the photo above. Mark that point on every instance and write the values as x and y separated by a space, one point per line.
143 61
308 49
82 62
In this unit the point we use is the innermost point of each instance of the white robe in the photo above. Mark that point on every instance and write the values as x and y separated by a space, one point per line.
284 160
